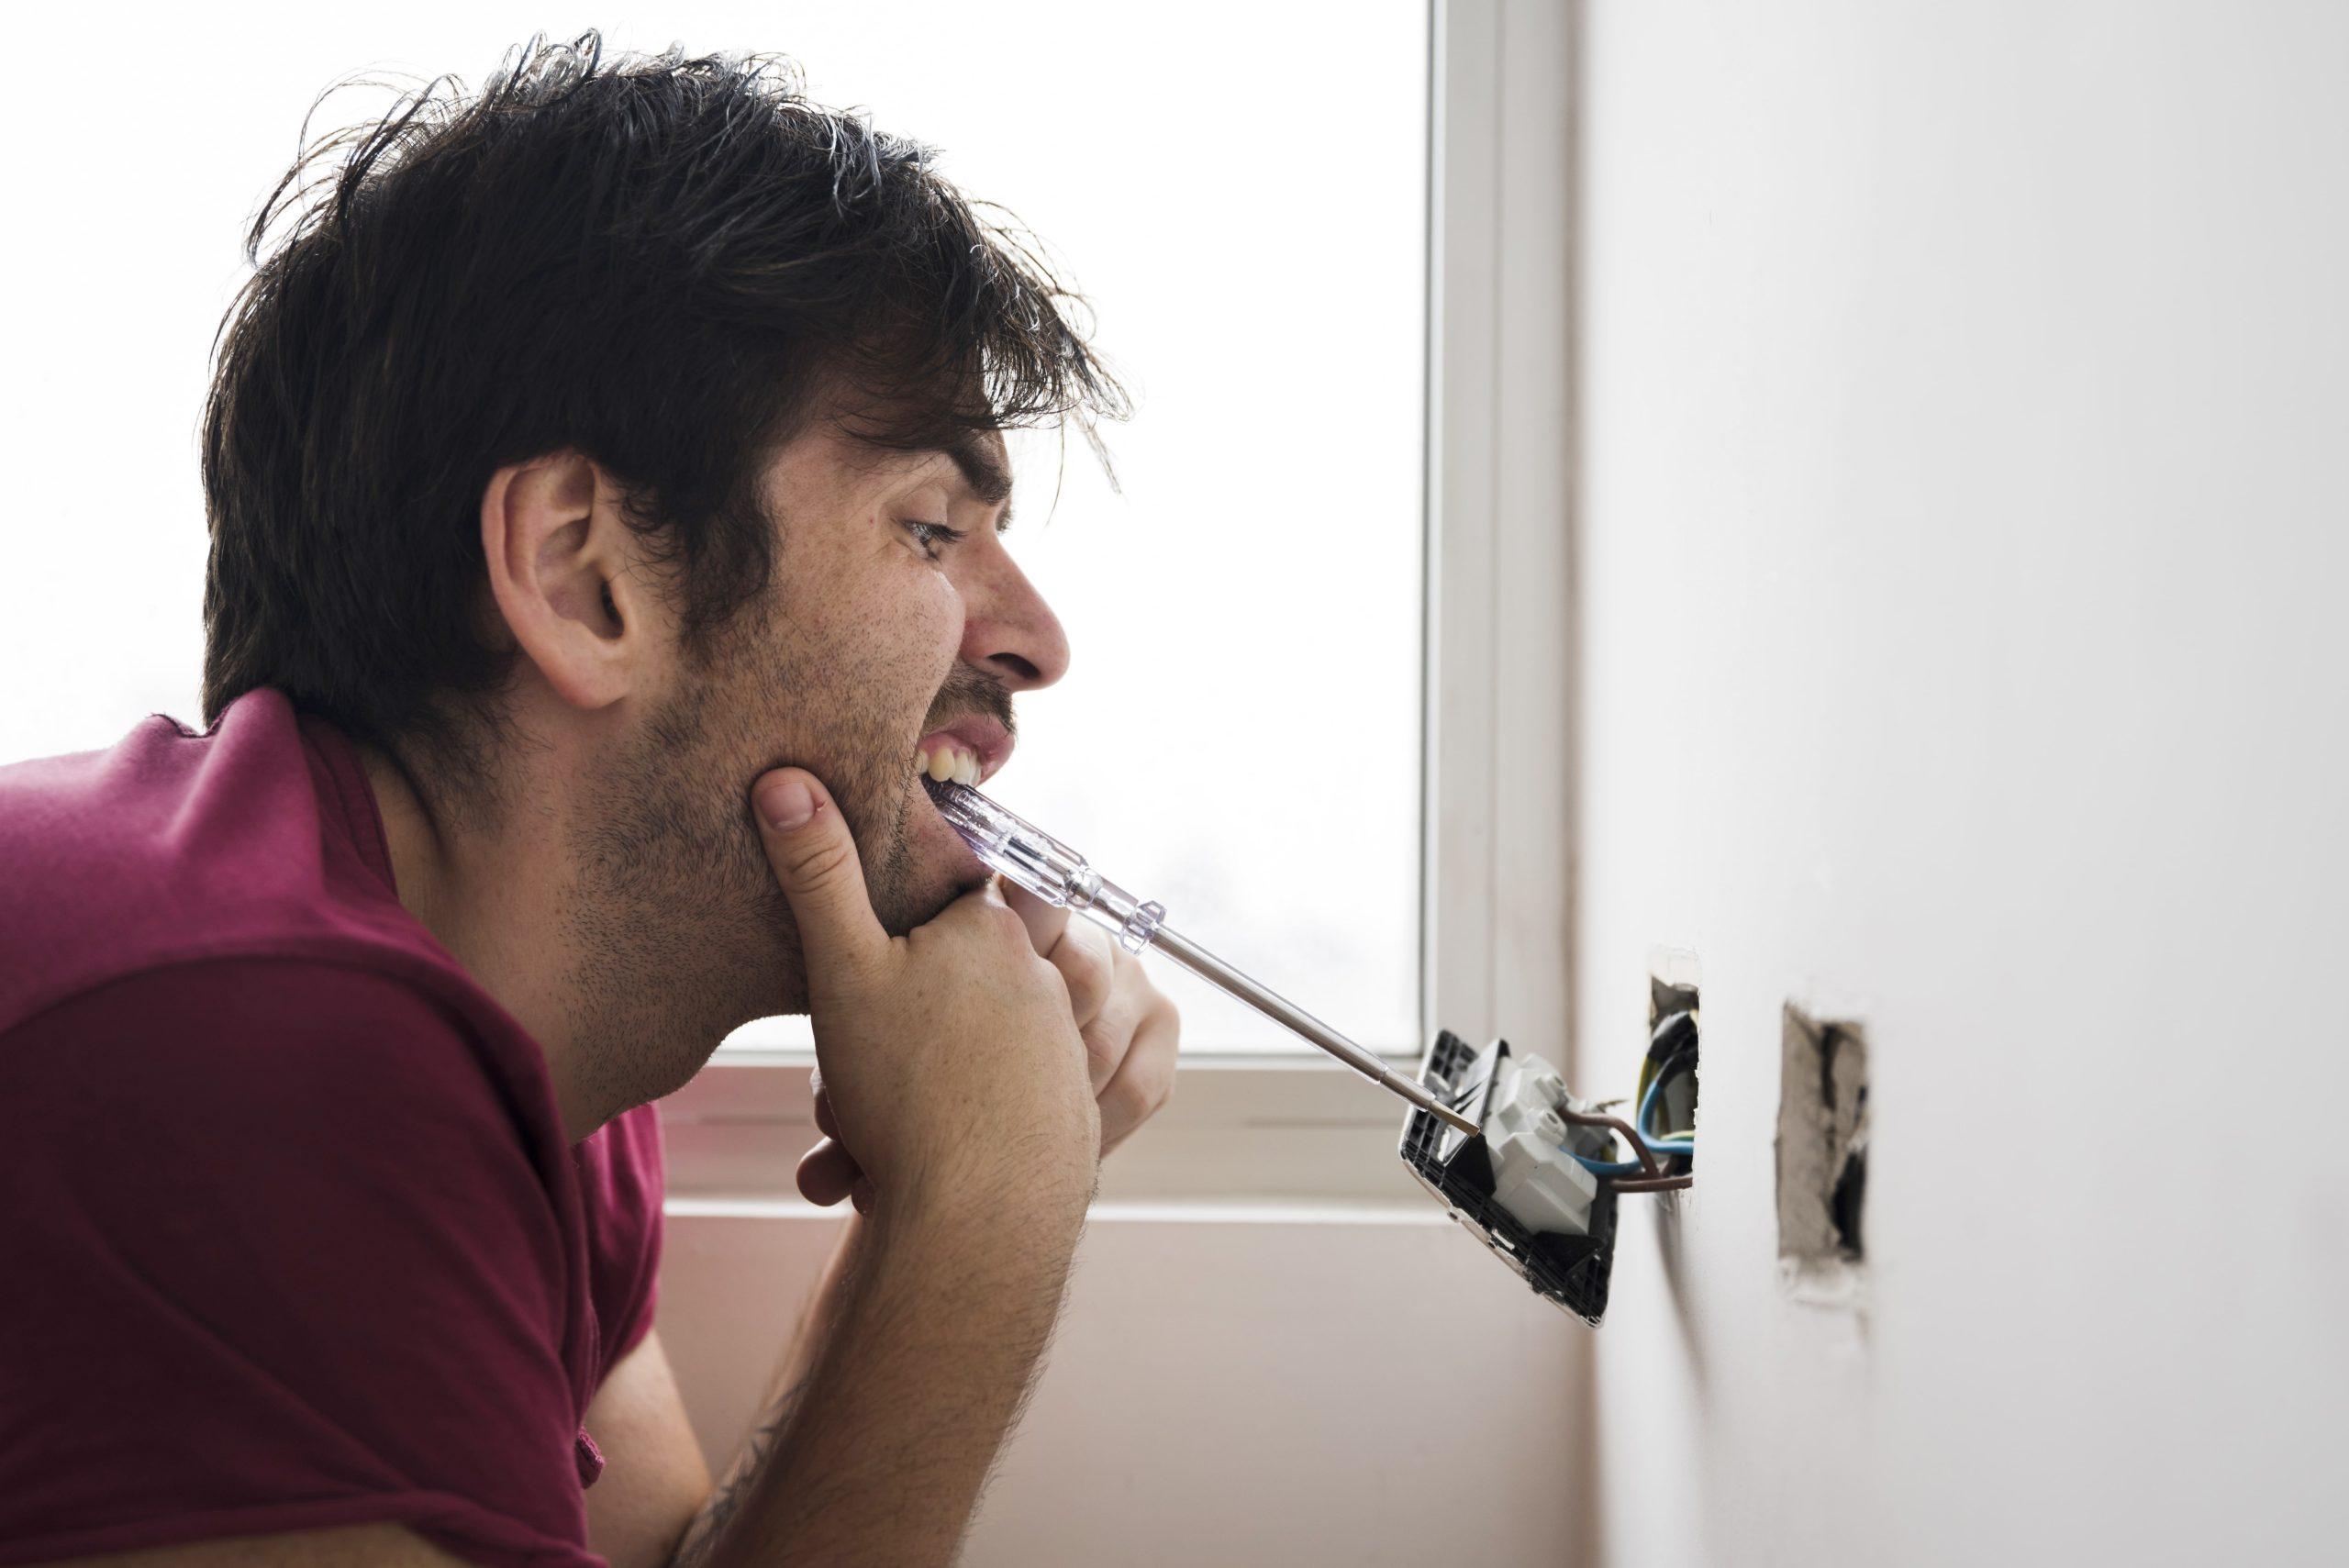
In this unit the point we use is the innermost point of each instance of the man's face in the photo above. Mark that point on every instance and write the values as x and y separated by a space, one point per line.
877 631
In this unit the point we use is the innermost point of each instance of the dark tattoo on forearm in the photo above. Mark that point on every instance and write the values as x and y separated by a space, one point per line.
701 1537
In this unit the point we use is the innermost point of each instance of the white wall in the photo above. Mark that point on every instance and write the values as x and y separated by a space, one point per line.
1964 518
1249 1388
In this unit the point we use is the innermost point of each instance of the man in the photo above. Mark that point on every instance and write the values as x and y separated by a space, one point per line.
605 482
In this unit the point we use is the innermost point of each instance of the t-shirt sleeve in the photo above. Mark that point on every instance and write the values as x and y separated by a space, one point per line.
274 1256
621 1185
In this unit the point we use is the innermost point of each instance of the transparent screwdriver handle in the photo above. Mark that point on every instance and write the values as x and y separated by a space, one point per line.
1054 871
1043 865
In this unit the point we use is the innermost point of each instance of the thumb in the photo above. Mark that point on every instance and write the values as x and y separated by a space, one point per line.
815 860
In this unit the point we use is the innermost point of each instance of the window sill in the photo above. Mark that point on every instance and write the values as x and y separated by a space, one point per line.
1316 1212
1239 1132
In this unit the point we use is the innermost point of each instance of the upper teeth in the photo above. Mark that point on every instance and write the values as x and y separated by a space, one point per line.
949 762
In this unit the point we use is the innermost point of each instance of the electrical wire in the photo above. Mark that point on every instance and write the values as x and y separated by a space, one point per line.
1646 1164
1672 1142
1645 1148
1659 1061
1657 1184
1643 1175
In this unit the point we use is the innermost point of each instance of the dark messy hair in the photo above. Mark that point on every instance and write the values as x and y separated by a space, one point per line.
660 262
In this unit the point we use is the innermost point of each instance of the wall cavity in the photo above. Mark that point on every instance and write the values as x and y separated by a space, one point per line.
1823 1154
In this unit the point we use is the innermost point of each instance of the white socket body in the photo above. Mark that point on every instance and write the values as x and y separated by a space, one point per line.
1541 1185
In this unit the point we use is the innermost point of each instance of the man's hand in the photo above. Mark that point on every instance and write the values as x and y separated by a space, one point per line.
953 1063
950 1055
1131 1033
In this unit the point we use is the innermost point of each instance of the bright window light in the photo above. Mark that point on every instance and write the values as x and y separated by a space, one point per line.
1239 189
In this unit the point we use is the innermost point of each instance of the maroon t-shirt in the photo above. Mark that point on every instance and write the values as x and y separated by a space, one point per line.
290 1234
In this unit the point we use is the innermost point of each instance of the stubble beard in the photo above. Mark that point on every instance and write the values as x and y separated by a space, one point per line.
680 932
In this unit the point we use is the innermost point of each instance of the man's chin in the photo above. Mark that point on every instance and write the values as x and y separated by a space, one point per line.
939 866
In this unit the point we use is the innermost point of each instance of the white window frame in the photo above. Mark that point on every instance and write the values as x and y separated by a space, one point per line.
1498 734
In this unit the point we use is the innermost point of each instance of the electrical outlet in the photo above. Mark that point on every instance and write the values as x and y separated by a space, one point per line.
1823 1154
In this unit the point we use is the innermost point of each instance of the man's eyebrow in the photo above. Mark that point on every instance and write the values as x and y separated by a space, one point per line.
984 472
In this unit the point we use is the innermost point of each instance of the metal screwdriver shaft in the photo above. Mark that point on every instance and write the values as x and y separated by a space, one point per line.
1052 871
1282 1011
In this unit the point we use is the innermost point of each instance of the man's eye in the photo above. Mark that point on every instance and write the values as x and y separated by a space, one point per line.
930 535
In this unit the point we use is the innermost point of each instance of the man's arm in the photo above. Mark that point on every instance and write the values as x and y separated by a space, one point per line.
952 1061
877 1453
1131 1031
655 1479
954 1065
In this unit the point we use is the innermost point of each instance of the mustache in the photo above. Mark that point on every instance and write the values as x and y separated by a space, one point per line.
969 691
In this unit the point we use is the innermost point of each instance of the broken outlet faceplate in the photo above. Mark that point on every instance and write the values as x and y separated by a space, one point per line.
1822 1156
1480 1180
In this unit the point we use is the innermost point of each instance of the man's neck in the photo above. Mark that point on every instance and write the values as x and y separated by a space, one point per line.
494 901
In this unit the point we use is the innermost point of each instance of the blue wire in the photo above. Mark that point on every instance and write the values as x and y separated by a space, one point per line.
1640 1126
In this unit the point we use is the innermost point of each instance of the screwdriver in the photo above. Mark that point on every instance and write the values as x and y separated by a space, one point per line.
1059 875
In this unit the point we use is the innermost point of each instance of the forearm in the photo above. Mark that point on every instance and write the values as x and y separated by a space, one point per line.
913 1363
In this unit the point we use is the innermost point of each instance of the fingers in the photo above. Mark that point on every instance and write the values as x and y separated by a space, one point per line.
1095 968
1125 999
815 859
828 1174
1089 958
1145 1078
982 914
826 1171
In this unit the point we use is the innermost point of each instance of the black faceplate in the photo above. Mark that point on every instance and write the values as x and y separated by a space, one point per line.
1570 1269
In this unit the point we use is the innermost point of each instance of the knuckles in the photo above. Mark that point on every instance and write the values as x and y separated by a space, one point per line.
1103 1050
1087 959
1135 1096
976 923
1006 926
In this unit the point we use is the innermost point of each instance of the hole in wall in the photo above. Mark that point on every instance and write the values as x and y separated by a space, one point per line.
1850 1186
1823 1147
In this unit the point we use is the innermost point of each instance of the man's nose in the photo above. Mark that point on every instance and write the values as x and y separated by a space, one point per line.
1009 630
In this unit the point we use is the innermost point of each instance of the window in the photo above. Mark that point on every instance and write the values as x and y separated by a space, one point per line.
1244 190
1244 195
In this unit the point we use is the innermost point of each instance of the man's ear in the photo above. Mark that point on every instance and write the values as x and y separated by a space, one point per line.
559 556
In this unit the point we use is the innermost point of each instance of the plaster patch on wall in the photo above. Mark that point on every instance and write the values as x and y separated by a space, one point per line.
1823 1158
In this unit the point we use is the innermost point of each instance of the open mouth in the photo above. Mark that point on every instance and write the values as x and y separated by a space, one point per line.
969 752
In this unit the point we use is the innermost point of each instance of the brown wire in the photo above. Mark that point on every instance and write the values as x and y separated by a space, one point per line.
1651 1184
1623 1131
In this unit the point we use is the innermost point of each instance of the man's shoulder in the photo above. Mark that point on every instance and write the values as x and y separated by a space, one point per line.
245 1051
174 846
